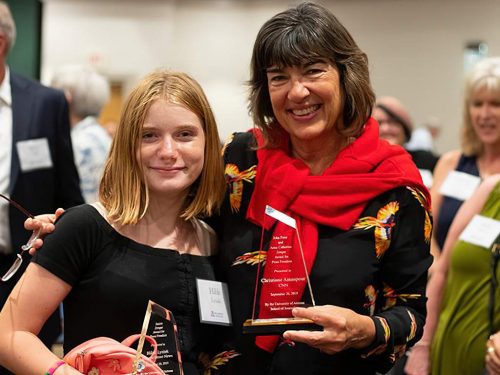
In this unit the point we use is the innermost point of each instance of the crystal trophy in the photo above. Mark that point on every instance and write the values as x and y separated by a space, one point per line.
159 324
282 283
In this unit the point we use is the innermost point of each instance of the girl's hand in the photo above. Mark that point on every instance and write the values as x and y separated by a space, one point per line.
46 223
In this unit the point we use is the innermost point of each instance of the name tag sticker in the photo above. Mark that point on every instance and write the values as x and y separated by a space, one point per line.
34 154
213 298
481 231
426 177
459 185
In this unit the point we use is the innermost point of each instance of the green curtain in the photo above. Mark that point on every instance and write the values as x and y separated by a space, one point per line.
24 58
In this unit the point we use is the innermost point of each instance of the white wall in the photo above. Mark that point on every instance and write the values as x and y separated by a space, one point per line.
415 47
416 50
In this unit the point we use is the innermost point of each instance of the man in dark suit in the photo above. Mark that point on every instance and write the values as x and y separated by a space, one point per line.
36 159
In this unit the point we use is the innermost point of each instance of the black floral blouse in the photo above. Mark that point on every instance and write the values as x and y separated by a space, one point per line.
377 268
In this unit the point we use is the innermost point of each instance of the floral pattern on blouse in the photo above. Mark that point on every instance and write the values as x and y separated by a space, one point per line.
228 140
371 297
234 179
391 297
413 326
387 335
420 197
216 361
383 224
251 258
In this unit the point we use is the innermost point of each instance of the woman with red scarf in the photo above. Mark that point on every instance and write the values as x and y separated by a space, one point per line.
361 209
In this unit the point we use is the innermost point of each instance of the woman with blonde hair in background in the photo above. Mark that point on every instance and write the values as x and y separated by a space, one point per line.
479 156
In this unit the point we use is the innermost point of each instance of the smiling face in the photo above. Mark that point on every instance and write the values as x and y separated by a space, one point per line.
306 99
484 111
171 149
390 129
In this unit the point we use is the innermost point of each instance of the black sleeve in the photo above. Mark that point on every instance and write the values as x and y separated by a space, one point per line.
71 248
238 150
401 307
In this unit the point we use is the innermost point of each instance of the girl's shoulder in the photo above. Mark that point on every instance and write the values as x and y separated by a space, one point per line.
206 237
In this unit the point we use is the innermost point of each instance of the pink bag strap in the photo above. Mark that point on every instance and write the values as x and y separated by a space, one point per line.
133 338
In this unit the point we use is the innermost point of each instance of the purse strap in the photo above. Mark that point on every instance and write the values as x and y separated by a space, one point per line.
133 338
495 257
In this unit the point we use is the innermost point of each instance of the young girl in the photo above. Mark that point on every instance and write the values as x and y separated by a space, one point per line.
141 241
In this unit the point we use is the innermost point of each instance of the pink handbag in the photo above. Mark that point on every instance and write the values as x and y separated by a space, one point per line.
105 356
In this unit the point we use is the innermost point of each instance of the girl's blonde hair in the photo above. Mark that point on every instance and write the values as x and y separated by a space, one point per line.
123 190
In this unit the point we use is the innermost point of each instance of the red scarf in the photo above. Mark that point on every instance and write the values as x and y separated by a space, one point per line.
363 170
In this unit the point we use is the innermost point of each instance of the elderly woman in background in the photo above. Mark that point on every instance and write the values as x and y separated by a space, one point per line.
396 127
359 203
479 156
87 92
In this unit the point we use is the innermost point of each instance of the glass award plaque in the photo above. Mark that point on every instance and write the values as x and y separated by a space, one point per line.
282 282
159 324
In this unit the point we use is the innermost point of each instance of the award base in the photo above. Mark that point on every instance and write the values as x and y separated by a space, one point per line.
277 326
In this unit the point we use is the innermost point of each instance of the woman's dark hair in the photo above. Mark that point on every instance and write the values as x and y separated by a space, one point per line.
301 34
